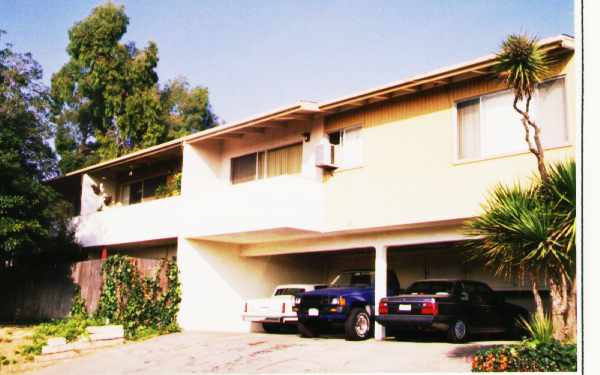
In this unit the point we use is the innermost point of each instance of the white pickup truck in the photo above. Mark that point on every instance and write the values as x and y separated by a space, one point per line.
276 311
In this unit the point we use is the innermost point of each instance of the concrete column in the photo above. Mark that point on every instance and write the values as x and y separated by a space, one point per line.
380 285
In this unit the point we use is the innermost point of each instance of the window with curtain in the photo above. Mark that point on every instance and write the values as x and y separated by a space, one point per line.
490 126
468 128
270 163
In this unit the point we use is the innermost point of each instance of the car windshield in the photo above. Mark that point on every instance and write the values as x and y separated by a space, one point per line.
289 291
430 287
358 279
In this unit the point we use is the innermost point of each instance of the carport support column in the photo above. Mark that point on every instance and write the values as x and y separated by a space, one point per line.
380 285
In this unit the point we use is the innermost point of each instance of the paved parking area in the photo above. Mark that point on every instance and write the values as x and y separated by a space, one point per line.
200 352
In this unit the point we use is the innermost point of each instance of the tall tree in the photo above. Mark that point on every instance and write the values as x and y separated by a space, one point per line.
33 218
106 99
185 109
523 65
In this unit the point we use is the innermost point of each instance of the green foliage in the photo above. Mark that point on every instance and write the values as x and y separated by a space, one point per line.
138 303
539 328
106 98
185 109
33 217
78 308
171 188
522 63
522 229
527 356
71 329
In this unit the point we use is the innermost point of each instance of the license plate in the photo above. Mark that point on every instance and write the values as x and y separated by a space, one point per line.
313 312
404 307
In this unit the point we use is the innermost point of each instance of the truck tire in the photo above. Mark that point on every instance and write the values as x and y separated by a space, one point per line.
358 325
271 328
308 330
458 331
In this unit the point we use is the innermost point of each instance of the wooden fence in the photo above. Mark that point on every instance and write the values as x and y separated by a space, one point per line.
36 294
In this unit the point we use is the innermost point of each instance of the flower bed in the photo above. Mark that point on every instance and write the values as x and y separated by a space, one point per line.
527 356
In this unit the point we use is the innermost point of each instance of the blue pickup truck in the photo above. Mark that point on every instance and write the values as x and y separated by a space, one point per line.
349 301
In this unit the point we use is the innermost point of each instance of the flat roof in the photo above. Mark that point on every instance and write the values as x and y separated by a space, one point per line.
305 109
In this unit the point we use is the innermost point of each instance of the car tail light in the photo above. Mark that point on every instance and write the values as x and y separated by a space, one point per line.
283 308
429 308
246 307
383 307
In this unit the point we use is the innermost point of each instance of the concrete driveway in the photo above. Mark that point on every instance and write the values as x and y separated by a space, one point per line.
198 352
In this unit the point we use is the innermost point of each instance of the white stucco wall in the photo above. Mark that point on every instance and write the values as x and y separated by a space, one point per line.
216 280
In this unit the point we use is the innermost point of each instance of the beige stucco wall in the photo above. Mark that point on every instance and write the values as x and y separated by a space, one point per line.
410 173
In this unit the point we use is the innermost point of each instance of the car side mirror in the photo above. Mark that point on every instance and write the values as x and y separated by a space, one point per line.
464 296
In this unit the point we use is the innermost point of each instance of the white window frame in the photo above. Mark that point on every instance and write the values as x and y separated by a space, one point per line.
485 156
342 131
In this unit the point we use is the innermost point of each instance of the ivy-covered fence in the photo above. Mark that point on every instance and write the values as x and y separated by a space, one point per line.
141 294
140 303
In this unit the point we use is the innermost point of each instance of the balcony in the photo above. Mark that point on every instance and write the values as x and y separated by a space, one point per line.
146 221
282 207
272 209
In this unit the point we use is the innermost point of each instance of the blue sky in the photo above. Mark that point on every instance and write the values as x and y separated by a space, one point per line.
255 56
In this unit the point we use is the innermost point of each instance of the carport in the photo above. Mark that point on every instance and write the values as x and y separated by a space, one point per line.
217 277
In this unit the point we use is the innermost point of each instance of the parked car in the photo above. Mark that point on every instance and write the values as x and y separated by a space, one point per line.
458 307
348 301
276 311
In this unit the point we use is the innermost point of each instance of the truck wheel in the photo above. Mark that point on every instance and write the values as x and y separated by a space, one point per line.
359 325
458 331
271 328
308 330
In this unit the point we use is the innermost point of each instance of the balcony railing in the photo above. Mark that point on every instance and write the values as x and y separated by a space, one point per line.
285 202
146 221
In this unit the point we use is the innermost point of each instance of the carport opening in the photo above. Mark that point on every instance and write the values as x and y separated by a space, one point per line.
447 260
316 267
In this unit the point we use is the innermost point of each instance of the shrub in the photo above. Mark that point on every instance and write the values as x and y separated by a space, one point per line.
527 356
71 329
539 328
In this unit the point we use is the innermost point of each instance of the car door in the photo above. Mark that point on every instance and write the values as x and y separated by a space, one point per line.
472 308
490 310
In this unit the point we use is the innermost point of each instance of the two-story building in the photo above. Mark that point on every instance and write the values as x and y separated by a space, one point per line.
380 179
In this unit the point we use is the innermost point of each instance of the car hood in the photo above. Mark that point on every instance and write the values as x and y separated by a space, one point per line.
334 292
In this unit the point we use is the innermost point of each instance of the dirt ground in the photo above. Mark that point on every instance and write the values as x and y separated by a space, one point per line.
11 338
200 352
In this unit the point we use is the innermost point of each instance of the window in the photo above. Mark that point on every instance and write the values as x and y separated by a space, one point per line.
143 190
349 151
270 163
489 125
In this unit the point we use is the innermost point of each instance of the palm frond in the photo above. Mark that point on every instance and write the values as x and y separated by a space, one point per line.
522 64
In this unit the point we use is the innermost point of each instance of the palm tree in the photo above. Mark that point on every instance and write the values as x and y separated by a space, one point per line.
523 231
522 64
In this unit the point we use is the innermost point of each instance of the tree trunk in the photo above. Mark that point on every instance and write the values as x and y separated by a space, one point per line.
539 306
572 312
559 294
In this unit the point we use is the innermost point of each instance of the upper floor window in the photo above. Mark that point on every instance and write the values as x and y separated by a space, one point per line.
142 190
270 163
489 125
349 150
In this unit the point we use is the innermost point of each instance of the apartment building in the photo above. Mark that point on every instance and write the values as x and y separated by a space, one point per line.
380 179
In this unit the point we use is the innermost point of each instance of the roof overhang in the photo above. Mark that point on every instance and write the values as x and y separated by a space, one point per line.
280 118
475 68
